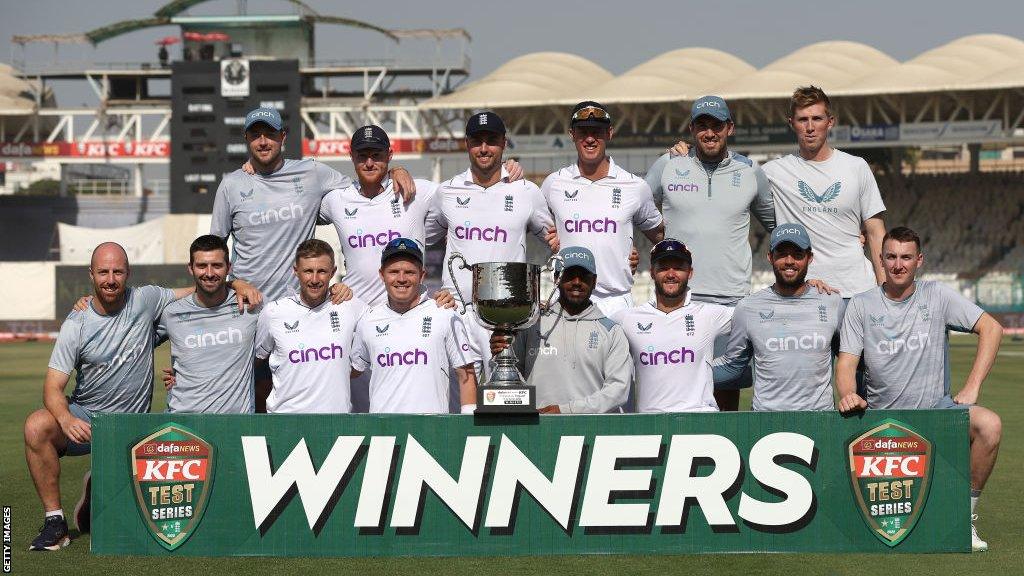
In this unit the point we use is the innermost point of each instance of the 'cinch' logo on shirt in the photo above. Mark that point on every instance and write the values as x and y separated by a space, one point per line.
371 240
488 234
407 358
206 339
606 225
314 354
678 356
272 215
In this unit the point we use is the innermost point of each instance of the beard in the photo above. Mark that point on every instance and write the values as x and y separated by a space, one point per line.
791 285
659 289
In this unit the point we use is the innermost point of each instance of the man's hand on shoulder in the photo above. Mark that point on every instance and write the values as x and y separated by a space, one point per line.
340 293
403 184
247 168
444 299
246 294
822 287
514 169
82 304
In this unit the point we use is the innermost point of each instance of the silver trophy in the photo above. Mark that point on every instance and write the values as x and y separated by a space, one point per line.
506 297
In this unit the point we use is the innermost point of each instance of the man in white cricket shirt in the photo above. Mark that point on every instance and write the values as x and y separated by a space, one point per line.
412 344
672 337
596 203
307 339
486 218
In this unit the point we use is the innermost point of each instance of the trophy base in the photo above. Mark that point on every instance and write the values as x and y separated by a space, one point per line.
514 399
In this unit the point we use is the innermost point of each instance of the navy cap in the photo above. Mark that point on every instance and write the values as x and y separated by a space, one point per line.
268 116
401 247
485 122
795 234
671 248
371 136
713 106
577 256
590 113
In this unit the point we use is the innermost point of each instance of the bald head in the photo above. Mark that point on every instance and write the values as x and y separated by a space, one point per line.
109 254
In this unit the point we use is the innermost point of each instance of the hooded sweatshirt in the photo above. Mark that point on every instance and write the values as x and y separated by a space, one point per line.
581 363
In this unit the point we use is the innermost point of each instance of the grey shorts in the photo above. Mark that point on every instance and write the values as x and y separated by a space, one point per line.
947 402
74 448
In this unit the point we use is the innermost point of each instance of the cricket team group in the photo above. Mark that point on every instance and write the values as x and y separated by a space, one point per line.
264 328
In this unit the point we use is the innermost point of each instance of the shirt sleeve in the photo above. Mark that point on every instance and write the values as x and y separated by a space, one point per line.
264 339
647 216
763 206
960 314
154 299
326 212
161 327
456 344
851 335
723 320
540 216
618 374
360 357
737 354
221 217
435 225
870 197
329 178
64 357
654 178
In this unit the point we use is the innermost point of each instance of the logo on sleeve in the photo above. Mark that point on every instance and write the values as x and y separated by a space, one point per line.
172 473
890 469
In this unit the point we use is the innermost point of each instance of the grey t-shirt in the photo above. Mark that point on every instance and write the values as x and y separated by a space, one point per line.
905 345
269 216
113 355
710 212
212 350
790 340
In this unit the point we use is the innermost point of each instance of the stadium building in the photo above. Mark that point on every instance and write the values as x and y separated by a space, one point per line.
944 132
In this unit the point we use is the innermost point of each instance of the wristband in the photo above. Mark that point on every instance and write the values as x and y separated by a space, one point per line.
468 408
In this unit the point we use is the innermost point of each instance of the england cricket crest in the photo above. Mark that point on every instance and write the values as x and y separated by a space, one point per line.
890 469
172 471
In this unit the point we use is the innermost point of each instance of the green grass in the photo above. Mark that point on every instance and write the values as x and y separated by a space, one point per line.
21 371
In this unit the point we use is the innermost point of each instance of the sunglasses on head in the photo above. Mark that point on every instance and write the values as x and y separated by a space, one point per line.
591 112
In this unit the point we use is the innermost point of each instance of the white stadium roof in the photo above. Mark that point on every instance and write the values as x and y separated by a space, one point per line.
530 80
842 68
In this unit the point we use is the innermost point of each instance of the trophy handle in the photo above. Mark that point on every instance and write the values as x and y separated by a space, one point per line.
549 266
451 274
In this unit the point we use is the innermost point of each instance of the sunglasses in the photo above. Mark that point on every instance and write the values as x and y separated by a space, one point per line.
591 112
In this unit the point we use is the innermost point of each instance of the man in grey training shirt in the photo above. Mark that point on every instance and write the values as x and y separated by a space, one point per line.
901 330
110 347
708 196
788 329
576 357
212 343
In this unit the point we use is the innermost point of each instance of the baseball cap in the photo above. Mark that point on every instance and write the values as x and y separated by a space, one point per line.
577 256
370 137
590 113
713 106
486 121
268 116
795 234
671 248
399 247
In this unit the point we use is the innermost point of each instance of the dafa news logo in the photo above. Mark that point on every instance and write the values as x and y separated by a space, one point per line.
172 472
890 468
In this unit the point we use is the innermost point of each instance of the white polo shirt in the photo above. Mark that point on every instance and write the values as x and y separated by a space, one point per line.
672 354
411 356
486 224
366 225
832 199
309 351
600 216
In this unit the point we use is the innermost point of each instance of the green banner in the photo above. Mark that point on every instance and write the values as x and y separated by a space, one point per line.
390 485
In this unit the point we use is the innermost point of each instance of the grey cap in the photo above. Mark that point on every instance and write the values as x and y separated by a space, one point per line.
578 256
795 234
268 116
713 106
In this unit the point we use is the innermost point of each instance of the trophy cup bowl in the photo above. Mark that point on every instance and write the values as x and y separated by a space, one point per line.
506 297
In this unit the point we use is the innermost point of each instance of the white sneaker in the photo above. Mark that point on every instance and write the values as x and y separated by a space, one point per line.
977 544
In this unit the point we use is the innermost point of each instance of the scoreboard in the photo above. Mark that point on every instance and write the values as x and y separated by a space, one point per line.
209 103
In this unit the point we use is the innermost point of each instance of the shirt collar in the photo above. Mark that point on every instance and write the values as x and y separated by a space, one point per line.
613 169
467 177
686 302
386 187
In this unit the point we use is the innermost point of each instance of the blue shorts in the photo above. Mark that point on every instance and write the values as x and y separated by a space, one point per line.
74 448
